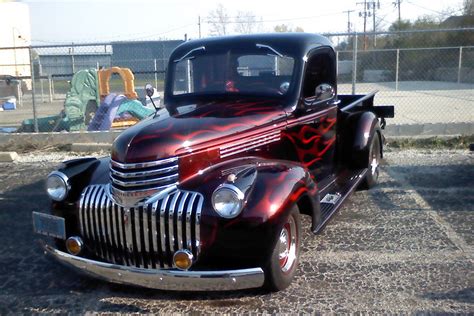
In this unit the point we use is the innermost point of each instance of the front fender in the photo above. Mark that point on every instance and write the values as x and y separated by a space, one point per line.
248 239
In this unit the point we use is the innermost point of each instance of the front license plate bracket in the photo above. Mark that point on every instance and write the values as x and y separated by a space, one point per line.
49 225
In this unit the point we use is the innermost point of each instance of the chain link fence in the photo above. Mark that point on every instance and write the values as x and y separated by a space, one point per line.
427 75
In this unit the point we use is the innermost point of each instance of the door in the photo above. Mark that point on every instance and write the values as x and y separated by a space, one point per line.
312 130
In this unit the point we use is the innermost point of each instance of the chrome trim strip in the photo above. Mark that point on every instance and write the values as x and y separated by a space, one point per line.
163 279
249 144
143 164
144 173
144 182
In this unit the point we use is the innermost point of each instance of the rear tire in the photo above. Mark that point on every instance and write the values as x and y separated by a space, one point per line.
283 263
373 162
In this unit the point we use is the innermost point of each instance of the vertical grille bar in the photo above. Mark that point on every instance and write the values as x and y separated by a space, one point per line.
146 235
197 227
82 205
137 244
126 222
163 230
96 217
155 235
189 211
171 223
111 244
179 220
102 229
114 232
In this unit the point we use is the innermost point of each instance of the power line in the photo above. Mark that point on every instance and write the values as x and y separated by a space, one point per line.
235 21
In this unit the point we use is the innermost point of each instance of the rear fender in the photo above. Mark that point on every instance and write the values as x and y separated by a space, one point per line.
358 131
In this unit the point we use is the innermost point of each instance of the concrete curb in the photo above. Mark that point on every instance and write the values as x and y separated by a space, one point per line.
8 156
90 147
96 141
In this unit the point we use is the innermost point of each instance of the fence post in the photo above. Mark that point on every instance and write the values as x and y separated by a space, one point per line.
397 66
32 69
460 64
41 80
337 64
72 59
354 64
52 87
50 81
156 74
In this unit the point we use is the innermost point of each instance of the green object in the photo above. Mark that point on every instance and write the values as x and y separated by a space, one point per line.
134 108
82 99
54 123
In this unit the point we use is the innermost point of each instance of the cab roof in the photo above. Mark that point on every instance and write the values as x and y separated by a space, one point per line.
294 44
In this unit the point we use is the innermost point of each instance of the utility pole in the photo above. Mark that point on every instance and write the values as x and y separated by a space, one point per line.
397 5
199 25
364 14
373 16
349 19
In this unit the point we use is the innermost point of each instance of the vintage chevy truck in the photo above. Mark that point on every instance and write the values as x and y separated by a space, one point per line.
207 193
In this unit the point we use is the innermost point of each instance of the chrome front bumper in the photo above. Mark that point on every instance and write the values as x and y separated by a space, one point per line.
163 279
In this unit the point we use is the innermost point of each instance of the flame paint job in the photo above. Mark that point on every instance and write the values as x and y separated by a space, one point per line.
209 125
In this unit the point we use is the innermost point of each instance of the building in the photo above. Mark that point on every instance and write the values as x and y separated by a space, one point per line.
16 33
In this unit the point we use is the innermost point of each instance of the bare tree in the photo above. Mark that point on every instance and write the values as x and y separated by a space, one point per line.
468 7
218 20
282 28
247 23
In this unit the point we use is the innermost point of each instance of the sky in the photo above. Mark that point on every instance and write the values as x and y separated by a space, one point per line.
86 21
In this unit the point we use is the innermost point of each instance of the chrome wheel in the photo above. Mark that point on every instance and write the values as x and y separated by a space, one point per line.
287 246
283 262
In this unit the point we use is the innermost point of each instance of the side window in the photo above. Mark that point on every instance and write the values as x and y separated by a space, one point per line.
320 69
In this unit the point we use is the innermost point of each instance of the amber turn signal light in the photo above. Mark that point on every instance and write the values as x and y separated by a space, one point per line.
183 259
74 245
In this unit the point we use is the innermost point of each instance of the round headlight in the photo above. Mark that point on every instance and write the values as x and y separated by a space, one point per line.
228 200
57 186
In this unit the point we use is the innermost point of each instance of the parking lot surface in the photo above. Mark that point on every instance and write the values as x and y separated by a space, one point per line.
405 246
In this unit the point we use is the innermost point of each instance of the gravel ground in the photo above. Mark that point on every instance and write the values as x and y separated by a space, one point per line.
405 246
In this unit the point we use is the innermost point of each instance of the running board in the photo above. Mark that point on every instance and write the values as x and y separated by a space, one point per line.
332 200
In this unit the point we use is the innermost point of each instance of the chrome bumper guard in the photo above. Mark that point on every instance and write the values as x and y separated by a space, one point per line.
163 279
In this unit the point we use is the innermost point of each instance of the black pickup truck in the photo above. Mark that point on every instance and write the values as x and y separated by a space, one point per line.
207 193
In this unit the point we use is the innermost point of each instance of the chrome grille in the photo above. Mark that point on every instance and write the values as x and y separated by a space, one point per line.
146 236
132 177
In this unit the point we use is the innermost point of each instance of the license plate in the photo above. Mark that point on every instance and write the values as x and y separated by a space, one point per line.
49 225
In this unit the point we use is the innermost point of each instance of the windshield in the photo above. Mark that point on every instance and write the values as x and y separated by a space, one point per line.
260 70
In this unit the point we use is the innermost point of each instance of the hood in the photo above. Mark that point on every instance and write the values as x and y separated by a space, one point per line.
203 125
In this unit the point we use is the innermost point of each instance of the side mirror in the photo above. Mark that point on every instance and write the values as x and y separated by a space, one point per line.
149 90
324 92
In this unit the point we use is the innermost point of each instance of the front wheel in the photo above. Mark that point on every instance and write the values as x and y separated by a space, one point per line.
283 263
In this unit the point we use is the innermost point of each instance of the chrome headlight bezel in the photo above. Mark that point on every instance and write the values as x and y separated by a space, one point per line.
57 186
234 195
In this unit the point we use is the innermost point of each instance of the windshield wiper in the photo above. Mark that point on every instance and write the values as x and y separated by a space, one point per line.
189 53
